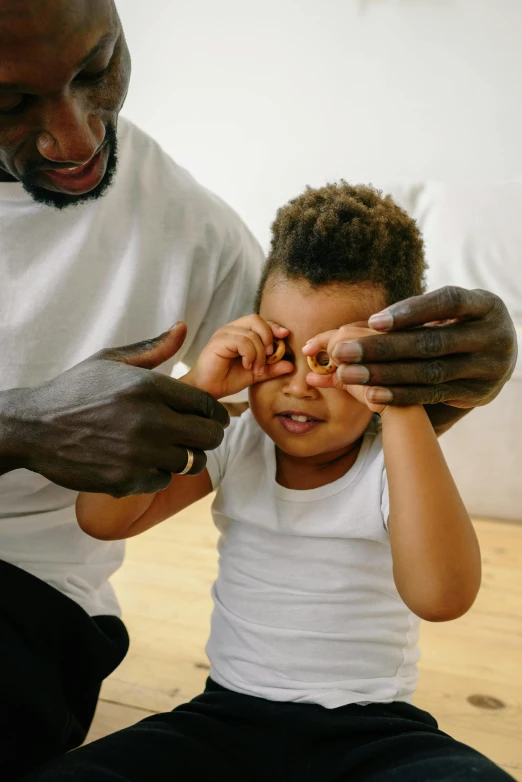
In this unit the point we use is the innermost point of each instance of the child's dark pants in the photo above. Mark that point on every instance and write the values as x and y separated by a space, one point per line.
228 737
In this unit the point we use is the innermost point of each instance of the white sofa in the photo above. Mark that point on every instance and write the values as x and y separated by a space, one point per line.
473 238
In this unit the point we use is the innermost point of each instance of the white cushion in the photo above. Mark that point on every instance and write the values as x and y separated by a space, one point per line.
473 238
484 453
472 233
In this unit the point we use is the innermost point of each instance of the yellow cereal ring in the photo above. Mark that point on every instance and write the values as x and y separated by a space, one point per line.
321 364
279 352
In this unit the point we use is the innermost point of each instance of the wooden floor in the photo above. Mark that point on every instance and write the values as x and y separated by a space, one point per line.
471 669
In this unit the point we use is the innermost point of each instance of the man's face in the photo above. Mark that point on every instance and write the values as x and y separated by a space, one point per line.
64 73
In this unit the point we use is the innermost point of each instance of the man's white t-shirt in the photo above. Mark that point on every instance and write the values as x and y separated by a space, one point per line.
305 605
155 249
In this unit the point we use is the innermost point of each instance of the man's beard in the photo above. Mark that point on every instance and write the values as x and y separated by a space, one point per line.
60 200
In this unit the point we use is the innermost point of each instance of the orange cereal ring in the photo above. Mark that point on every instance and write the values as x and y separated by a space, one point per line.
279 352
321 364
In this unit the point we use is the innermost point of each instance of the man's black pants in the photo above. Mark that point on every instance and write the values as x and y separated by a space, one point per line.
53 659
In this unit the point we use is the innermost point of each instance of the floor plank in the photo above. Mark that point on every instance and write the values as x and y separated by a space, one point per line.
164 588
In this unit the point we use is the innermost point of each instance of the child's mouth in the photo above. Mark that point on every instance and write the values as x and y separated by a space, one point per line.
297 422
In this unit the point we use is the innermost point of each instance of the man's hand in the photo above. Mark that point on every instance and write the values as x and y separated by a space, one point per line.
110 425
462 364
236 357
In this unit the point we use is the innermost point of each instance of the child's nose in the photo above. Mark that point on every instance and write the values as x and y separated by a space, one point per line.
295 382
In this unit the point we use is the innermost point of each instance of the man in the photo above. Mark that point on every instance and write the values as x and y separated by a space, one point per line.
81 274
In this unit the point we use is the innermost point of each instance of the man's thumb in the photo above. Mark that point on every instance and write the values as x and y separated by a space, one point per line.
152 352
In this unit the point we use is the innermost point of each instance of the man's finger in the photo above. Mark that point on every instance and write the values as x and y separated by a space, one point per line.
189 431
421 343
155 480
443 304
150 353
410 373
148 482
171 460
186 399
178 459
411 395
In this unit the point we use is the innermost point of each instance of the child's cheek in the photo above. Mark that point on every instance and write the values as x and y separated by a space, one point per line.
261 398
255 398
259 406
345 408
260 393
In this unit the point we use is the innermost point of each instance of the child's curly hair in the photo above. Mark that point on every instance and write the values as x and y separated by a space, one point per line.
347 233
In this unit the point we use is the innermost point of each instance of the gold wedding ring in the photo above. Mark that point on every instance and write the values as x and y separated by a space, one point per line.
190 462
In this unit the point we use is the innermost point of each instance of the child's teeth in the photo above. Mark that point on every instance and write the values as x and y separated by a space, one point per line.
301 418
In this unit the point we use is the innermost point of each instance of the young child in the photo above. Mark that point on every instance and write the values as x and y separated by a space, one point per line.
340 525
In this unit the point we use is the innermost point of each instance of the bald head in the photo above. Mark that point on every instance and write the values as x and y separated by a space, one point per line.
26 22
64 71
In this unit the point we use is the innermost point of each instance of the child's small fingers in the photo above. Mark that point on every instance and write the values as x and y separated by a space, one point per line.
270 371
361 394
260 352
358 392
321 381
277 330
246 351
248 345
318 343
268 332
262 328
262 338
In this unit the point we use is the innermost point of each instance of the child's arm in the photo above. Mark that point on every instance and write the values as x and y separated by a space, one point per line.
107 518
436 555
234 358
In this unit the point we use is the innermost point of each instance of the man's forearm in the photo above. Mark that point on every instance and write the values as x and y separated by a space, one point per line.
13 432
443 416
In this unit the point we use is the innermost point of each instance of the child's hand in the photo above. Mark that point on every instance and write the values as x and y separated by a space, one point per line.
327 342
235 357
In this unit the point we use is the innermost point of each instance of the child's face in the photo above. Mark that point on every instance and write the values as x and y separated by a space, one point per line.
336 419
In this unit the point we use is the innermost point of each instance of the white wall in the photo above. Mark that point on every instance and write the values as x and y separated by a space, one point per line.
258 99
